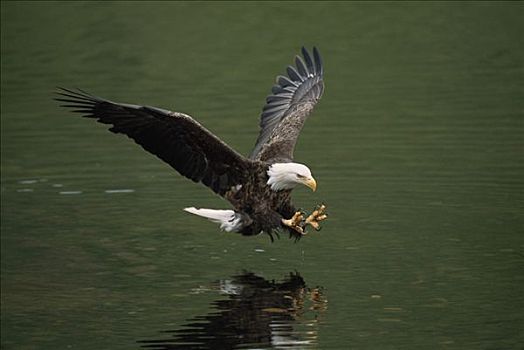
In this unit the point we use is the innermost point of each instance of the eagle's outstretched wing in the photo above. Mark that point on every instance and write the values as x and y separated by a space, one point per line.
174 137
288 107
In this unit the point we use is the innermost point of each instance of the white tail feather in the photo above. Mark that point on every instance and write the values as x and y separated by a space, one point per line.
228 219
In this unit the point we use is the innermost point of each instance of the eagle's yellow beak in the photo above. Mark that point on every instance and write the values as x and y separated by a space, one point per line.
311 183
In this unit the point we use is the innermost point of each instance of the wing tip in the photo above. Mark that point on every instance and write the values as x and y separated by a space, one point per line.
319 66
316 61
309 71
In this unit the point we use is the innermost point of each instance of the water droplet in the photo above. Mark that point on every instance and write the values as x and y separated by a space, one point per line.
70 192
125 190
27 182
24 190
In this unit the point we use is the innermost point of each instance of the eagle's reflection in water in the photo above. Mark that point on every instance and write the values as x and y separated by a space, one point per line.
257 313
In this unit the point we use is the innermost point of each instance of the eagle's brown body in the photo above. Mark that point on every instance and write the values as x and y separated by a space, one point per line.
262 207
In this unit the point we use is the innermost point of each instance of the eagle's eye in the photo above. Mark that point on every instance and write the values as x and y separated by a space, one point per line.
300 176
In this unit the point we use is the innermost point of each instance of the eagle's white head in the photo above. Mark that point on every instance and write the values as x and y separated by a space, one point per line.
285 176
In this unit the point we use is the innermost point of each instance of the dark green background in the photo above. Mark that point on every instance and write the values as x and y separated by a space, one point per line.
417 147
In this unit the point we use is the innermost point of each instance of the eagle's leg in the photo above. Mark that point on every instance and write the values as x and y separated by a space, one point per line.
296 222
316 216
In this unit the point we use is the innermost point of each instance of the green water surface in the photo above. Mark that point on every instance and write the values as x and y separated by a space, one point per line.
417 147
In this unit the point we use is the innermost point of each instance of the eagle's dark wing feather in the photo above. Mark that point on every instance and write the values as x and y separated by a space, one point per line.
174 137
287 108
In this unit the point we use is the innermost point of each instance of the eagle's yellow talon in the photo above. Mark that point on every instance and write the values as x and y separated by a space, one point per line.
316 216
295 223
322 217
315 224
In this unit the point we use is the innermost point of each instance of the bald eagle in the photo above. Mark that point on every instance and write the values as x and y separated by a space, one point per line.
259 186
